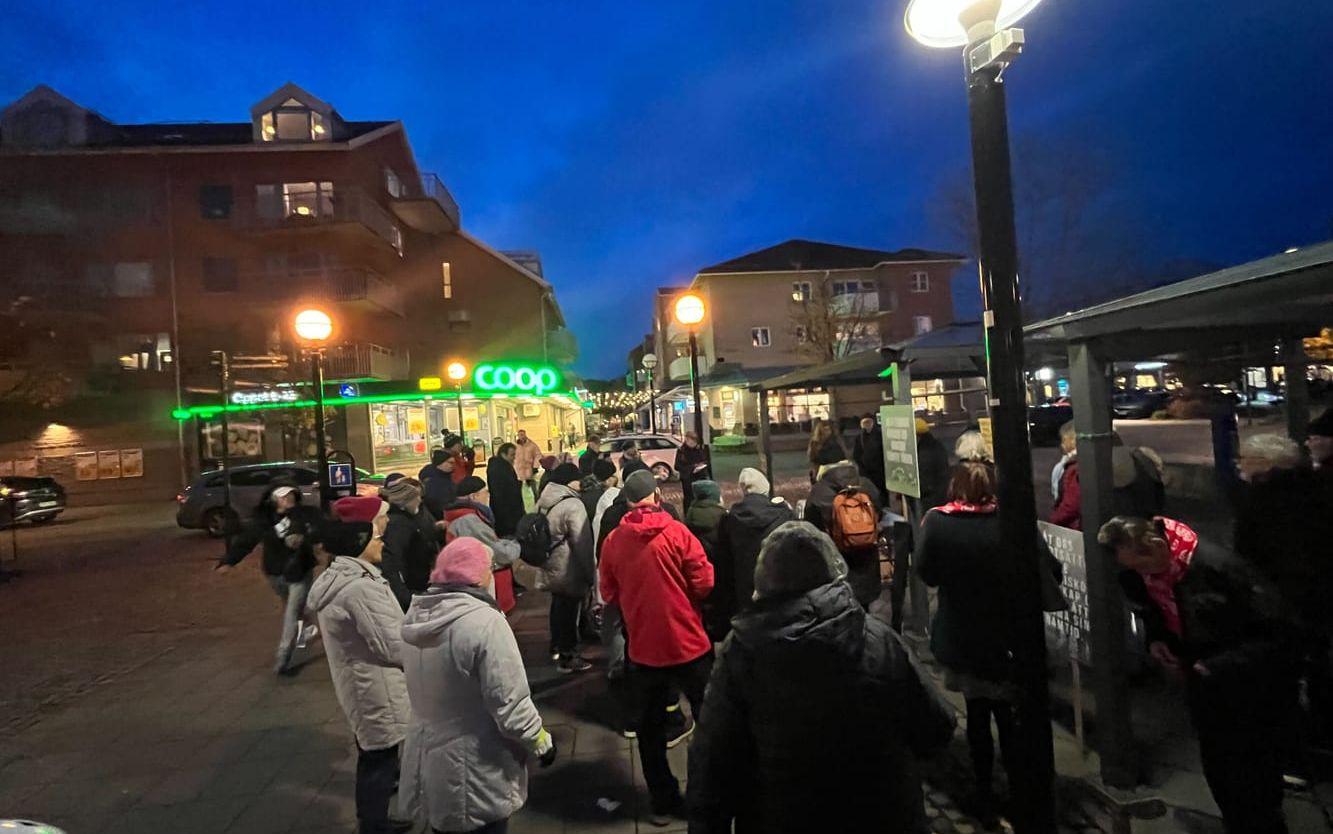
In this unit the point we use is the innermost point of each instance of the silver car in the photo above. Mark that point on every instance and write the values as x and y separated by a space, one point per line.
203 504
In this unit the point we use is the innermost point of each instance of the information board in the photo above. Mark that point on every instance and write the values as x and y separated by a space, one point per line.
901 472
1068 632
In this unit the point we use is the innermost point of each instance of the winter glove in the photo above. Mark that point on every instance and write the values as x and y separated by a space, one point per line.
545 748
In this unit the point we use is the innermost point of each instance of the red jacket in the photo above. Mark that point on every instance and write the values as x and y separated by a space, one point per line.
464 463
654 568
1068 510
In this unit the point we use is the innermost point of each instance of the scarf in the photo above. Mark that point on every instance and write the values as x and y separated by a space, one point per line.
1161 586
964 508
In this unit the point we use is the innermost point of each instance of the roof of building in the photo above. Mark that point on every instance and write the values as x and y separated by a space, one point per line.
800 255
201 134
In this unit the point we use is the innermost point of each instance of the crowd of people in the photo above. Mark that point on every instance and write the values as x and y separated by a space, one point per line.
773 626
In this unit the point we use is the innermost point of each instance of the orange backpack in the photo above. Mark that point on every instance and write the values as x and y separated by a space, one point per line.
854 524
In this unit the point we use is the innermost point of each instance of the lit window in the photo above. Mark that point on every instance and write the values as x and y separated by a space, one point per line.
392 184
299 199
318 130
266 129
293 121
447 280
800 291
759 337
920 282
396 238
921 324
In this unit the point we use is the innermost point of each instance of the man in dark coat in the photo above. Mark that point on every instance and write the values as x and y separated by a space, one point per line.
868 450
1212 620
590 455
741 533
412 540
630 462
506 489
692 465
439 487
862 564
815 712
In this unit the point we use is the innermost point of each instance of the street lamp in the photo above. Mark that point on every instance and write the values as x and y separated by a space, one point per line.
457 372
650 362
314 327
983 28
689 312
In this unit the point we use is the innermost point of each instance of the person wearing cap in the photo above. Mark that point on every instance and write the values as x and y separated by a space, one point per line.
363 641
741 534
287 530
570 569
471 516
439 487
411 540
474 725
655 570
506 489
816 712
868 450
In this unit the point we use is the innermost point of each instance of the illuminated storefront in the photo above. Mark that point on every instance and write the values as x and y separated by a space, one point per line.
392 426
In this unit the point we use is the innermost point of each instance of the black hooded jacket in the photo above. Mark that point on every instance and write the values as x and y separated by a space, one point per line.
863 564
279 559
506 495
813 719
740 535
411 543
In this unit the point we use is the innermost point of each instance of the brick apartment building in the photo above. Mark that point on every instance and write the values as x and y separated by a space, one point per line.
797 303
130 252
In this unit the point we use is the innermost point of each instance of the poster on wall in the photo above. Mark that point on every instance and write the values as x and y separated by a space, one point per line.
85 466
6 468
131 463
26 467
898 425
108 465
247 440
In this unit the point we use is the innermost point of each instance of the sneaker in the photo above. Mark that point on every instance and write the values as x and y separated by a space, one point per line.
664 816
679 728
571 664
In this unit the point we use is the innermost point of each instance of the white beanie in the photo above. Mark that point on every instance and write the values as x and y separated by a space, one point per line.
753 482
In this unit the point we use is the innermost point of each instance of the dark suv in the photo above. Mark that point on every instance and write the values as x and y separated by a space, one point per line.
38 500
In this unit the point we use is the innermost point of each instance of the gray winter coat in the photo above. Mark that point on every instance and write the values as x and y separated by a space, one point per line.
474 723
571 568
506 551
362 624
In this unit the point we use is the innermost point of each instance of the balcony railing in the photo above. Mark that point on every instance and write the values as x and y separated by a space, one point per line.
427 205
679 369
363 360
433 187
285 206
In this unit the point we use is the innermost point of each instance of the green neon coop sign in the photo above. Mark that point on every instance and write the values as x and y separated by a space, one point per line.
499 377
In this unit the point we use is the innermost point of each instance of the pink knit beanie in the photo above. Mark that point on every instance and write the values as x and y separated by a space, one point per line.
464 561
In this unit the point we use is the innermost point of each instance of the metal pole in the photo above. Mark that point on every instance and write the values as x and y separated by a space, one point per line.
321 445
459 390
652 406
1034 807
694 385
224 386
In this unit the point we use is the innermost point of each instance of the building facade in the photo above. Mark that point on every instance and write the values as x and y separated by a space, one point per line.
797 303
131 253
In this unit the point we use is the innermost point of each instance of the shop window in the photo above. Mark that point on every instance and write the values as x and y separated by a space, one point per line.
215 202
920 282
219 275
759 337
446 280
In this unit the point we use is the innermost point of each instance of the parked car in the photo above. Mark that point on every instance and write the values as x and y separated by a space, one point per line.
657 450
1139 403
38 500
1044 422
203 504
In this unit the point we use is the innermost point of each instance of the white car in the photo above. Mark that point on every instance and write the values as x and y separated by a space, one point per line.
657 450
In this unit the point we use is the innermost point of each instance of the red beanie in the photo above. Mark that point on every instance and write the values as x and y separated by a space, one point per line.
357 508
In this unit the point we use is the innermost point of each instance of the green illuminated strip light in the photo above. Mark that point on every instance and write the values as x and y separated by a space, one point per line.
209 411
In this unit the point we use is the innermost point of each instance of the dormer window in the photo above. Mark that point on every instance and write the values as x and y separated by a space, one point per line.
293 121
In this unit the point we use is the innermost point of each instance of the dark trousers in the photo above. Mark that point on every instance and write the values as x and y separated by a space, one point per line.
497 827
980 711
376 780
565 623
655 687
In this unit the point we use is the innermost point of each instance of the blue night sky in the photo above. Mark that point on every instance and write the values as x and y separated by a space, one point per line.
633 143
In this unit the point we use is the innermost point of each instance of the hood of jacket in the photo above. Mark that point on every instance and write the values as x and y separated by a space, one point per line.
789 628
554 494
839 476
439 608
759 512
340 573
645 524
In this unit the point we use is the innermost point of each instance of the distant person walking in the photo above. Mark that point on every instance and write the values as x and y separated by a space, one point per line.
286 528
526 456
815 711
474 725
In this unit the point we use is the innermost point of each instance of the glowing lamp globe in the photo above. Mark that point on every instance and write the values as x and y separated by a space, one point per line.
456 371
689 309
954 23
649 361
313 325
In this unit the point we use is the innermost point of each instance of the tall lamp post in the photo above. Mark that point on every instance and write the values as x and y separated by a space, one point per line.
314 327
457 372
689 312
983 29
649 363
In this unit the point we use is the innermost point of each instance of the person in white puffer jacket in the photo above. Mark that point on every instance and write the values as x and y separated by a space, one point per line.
362 626
474 724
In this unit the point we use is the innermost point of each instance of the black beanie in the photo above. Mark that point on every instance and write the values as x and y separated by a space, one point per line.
565 474
470 485
603 469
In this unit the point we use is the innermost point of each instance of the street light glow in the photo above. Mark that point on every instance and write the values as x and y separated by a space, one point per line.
689 309
939 23
313 325
649 361
456 371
